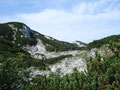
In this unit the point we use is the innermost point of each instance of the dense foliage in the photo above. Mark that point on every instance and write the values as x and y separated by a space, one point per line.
13 73
102 73
6 32
100 42
8 49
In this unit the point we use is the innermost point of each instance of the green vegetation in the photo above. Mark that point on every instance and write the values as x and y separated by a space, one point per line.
57 59
42 64
102 74
99 43
23 40
16 24
6 32
13 73
7 47
55 45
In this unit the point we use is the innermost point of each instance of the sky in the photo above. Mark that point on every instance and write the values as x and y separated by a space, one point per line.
66 20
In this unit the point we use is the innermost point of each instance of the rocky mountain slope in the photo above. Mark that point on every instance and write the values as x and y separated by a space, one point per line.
45 54
17 37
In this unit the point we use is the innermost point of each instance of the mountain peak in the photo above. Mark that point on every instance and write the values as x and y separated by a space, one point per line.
21 27
17 24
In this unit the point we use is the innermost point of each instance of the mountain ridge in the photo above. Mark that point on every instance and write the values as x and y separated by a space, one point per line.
19 38
32 61
37 48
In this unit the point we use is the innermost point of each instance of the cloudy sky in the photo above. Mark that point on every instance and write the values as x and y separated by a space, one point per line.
67 20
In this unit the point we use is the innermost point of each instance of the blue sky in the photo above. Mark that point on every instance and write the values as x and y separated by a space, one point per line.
67 20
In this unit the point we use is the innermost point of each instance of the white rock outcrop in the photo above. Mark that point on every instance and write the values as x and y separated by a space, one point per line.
39 50
65 66
68 64
15 29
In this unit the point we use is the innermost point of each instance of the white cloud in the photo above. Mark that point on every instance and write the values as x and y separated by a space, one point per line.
85 22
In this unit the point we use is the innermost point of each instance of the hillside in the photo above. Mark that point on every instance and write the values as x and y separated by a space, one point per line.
106 40
32 61
40 51
22 35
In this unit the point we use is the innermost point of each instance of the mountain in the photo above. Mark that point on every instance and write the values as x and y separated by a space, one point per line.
30 60
52 54
16 37
21 35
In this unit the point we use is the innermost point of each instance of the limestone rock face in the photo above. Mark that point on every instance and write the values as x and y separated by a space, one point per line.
65 66
39 48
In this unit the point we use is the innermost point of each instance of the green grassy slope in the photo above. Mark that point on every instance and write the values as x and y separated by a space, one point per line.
106 40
